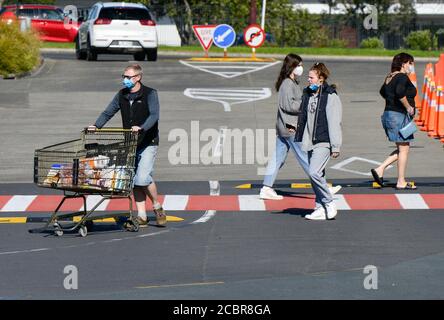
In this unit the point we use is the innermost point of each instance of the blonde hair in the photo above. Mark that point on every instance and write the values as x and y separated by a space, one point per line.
136 67
321 70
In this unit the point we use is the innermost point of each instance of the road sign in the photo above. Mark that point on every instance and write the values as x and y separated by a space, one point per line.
224 36
205 35
254 36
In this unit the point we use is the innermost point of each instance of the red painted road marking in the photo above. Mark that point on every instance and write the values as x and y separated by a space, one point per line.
4 200
48 203
434 201
372 202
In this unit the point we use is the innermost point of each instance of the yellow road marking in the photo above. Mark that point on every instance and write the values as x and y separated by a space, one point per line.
304 185
169 218
13 219
174 219
244 186
181 285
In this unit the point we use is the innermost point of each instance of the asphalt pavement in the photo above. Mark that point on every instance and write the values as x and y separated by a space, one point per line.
221 242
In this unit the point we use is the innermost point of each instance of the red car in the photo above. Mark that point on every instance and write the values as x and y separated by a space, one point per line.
48 21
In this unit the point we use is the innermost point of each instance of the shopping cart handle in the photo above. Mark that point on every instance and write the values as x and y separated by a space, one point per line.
89 129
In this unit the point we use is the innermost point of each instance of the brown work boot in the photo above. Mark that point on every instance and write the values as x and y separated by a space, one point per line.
161 217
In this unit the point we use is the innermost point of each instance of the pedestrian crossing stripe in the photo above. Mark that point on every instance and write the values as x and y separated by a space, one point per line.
177 203
292 186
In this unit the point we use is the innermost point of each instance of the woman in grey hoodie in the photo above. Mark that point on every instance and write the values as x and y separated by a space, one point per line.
320 131
289 101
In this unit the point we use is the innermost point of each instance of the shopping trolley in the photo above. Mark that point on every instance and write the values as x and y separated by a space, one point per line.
101 162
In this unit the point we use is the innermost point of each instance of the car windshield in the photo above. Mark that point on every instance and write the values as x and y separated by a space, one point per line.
50 14
124 14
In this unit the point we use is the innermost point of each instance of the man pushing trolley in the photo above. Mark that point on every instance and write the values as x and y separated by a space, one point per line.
139 109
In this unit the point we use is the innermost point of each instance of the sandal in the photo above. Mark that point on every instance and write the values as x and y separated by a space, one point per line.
161 217
408 186
379 180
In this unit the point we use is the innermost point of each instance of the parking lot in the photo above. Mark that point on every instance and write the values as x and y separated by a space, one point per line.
228 245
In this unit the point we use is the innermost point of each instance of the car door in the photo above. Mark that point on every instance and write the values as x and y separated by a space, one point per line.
53 26
84 27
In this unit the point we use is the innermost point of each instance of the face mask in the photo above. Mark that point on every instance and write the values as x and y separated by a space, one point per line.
298 71
127 83
411 68
314 87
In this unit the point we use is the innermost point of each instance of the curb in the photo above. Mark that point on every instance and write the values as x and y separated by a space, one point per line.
199 54
33 72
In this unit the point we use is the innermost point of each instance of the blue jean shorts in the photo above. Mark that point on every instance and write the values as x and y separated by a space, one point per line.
145 158
392 122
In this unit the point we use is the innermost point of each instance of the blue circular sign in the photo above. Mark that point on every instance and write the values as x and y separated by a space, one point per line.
224 36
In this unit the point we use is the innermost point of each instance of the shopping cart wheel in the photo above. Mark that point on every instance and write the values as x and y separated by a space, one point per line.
83 231
131 226
57 230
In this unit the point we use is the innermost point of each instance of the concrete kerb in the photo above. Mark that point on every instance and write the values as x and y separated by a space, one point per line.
33 72
259 55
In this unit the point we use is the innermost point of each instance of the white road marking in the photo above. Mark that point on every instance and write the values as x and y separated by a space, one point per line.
340 202
340 166
219 147
412 201
175 202
214 191
92 200
18 203
210 66
229 96
251 203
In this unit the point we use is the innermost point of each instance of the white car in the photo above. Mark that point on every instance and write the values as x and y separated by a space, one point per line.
121 28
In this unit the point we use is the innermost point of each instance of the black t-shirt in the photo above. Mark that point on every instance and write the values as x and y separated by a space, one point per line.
399 87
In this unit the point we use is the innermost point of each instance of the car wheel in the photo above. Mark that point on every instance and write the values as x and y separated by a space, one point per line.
91 55
80 54
152 54
139 56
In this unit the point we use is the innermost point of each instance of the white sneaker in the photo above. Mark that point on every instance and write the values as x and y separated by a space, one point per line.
335 189
318 214
332 211
268 193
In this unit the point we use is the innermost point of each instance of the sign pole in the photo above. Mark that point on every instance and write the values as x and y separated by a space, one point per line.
264 4
206 53
253 56
225 53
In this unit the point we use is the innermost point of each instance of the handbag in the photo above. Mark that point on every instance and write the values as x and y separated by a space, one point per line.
409 129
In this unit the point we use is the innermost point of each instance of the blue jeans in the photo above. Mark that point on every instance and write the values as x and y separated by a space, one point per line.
283 145
145 158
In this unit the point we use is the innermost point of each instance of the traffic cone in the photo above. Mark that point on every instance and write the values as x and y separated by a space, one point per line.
426 102
422 108
434 114
440 115
431 106
431 120
413 79
439 69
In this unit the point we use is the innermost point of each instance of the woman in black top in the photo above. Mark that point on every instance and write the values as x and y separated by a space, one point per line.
399 94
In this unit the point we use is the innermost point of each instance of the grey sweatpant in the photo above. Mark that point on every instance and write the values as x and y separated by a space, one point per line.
317 159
